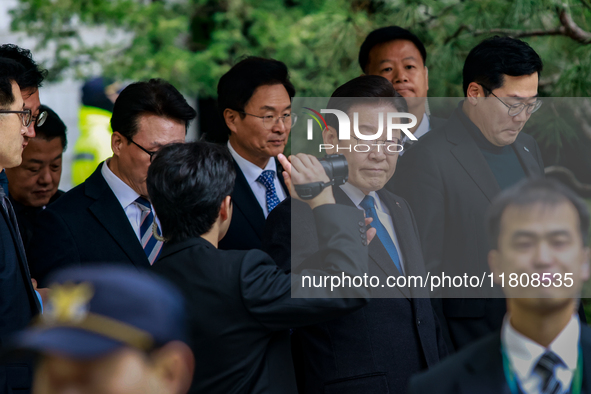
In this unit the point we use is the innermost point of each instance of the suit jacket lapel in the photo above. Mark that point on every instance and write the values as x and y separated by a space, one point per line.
280 176
245 200
484 372
467 153
21 256
377 252
109 213
586 346
526 158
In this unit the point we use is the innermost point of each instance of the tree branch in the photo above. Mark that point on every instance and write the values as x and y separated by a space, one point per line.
567 28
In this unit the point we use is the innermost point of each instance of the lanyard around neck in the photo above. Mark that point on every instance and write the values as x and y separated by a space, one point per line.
576 383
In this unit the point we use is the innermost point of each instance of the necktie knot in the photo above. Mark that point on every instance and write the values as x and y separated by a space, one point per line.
143 203
545 369
267 179
368 203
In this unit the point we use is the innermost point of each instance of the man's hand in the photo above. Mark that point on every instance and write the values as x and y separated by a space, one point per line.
301 169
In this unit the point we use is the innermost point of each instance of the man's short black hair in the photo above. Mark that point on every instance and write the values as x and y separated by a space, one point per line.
53 127
187 184
365 87
495 57
386 34
9 71
548 192
237 86
153 97
32 75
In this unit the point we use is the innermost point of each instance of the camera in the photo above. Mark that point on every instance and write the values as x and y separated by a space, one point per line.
336 169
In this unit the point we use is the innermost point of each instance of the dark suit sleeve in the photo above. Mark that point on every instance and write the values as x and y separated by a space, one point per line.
418 181
277 235
52 246
266 290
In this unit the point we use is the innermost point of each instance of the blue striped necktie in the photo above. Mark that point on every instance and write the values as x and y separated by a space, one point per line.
151 245
368 204
267 179
545 369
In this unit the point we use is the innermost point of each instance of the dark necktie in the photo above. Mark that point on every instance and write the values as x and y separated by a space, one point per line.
545 369
151 245
267 179
368 204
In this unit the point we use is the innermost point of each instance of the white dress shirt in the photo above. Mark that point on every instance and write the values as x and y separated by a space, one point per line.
524 354
126 197
357 196
423 129
252 172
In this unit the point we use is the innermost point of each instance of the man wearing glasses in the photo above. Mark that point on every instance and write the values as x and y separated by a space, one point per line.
254 98
109 218
29 80
450 177
19 302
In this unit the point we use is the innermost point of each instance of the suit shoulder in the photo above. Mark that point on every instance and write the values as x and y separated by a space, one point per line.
70 199
444 375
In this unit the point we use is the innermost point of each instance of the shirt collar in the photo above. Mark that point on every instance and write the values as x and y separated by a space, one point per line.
356 195
251 171
423 129
524 354
125 194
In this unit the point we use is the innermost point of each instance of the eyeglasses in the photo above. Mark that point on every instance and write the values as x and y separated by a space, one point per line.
25 115
517 108
389 147
270 121
151 153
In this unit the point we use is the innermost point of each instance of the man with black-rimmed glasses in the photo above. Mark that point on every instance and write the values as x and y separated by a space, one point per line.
449 178
109 217
18 301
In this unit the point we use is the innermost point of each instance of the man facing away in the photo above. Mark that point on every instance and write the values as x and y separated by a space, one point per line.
540 230
450 177
241 305
108 218
254 98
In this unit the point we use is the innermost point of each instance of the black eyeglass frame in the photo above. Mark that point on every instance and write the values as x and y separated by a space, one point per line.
536 106
151 153
25 123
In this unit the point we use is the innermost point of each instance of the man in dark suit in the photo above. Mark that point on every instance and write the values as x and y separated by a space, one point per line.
540 229
254 98
19 303
109 218
378 348
400 56
450 177
240 304
34 184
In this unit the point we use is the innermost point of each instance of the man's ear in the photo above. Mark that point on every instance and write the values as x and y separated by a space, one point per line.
330 137
585 268
174 363
474 92
427 77
226 209
230 116
117 141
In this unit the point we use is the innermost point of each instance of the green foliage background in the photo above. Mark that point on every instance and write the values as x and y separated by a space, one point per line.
193 42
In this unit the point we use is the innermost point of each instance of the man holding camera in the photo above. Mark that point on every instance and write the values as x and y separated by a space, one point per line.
378 348
240 304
